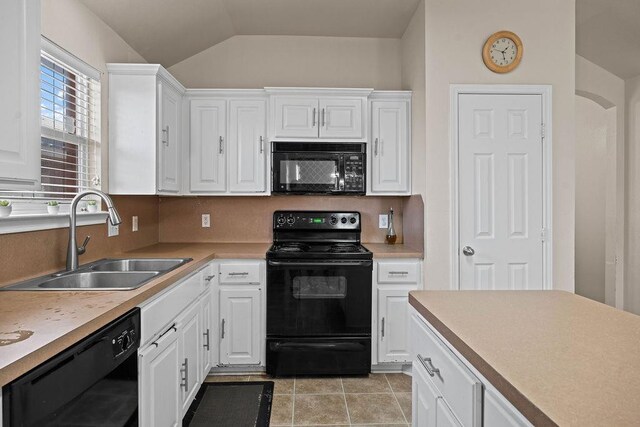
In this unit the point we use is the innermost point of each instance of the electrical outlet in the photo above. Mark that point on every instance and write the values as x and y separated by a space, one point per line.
134 223
113 230
206 220
383 221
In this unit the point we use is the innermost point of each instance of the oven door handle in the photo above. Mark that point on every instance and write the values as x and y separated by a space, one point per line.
301 346
321 264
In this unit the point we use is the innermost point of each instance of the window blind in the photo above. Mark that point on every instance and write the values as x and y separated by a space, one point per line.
70 124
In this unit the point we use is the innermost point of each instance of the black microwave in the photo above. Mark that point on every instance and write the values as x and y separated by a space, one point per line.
318 168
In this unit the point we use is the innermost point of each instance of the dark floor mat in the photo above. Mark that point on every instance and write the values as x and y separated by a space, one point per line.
232 404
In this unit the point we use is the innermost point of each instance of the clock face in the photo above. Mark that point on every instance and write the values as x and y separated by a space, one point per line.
503 52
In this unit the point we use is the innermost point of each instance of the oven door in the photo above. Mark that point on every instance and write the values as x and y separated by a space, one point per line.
316 299
307 172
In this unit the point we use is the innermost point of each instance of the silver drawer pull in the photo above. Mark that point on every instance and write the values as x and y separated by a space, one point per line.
221 147
399 272
244 273
185 370
206 344
428 365
222 331
208 278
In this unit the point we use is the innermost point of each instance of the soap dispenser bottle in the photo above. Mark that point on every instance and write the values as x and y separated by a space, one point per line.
391 232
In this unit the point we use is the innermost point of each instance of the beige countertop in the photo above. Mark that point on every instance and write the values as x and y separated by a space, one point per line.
36 325
559 358
382 250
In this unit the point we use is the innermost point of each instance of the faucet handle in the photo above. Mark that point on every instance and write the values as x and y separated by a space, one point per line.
82 249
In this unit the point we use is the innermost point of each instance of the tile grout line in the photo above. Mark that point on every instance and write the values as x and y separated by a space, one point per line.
346 405
396 399
293 402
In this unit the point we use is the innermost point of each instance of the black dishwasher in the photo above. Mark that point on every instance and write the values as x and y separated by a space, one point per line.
92 383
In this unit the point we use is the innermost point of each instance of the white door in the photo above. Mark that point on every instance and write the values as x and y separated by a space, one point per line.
247 145
444 415
208 145
390 145
393 324
190 365
341 118
207 346
500 191
168 139
423 399
159 381
296 117
240 326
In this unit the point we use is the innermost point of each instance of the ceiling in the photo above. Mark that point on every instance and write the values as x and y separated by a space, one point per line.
608 34
169 31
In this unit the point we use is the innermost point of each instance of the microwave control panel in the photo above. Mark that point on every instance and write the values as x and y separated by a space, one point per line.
354 172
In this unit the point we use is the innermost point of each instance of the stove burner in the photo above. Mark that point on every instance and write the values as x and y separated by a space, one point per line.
293 247
344 248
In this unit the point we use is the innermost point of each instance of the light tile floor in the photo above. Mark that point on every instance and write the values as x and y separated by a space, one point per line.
376 400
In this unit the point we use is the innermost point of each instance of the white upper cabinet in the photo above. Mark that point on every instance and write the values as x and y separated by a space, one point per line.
390 143
145 130
19 85
247 145
305 114
207 148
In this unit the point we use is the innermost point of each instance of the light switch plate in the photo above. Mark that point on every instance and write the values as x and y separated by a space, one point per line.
112 230
206 220
383 221
134 223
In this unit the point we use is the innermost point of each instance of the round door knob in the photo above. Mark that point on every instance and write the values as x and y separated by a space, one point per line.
468 251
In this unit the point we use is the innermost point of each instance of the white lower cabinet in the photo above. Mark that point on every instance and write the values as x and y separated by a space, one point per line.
189 340
424 396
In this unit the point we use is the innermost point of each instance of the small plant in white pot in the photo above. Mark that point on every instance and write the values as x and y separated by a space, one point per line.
53 207
92 206
5 208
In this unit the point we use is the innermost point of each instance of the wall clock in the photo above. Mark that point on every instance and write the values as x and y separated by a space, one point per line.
502 52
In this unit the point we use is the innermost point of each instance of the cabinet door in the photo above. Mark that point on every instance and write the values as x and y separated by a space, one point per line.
341 118
444 416
296 117
159 394
190 363
207 152
240 315
19 86
207 341
393 324
390 150
247 145
169 112
423 399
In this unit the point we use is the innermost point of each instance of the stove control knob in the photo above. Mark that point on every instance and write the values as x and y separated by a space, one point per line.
352 220
343 220
333 220
281 220
291 220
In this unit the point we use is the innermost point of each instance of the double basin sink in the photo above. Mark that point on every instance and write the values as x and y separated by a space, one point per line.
105 274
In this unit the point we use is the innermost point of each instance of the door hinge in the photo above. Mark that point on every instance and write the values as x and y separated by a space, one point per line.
543 234
543 130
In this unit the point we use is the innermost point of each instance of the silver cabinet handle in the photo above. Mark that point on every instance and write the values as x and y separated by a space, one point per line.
382 331
428 365
206 345
209 278
222 331
221 144
172 327
261 144
375 147
399 272
244 273
468 251
323 117
313 119
165 139
185 371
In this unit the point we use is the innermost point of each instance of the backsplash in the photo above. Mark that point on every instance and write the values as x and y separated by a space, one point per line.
34 253
249 219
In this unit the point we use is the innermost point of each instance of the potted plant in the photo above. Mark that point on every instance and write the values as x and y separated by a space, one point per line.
53 207
5 208
92 206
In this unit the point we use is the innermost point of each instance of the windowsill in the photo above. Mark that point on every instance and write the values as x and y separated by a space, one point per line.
36 222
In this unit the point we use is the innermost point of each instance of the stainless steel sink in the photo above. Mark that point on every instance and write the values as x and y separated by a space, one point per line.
103 275
139 264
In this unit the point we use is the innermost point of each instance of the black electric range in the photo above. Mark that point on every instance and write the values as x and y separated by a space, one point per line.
319 284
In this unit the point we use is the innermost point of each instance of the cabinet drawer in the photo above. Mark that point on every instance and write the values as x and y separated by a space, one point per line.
248 272
398 272
455 382
162 310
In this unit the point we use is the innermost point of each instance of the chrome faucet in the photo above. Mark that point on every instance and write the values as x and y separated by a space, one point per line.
73 250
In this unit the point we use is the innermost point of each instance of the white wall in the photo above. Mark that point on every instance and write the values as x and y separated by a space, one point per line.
455 33
632 264
259 61
72 26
